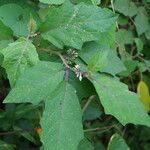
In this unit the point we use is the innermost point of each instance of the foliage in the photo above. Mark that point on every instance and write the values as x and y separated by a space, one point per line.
72 70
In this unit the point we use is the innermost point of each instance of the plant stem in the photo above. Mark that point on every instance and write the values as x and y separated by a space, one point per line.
98 129
57 53
88 102
15 132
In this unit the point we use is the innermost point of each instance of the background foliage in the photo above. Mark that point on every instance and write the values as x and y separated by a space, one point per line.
77 69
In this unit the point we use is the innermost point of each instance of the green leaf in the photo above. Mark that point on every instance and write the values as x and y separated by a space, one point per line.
124 37
117 143
114 64
94 2
85 145
73 25
119 101
141 23
122 20
59 130
84 88
5 146
17 18
126 7
108 38
1 58
130 65
98 61
147 33
57 2
139 44
4 43
36 83
25 134
92 111
32 26
5 32
19 56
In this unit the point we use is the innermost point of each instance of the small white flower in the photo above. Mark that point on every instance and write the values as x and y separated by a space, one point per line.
78 72
80 76
77 66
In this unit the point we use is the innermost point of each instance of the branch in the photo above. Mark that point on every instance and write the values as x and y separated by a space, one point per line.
57 53
98 129
15 132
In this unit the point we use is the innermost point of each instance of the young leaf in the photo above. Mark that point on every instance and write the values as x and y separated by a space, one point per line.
19 56
99 61
144 94
59 130
36 83
114 64
119 101
95 2
117 143
17 18
73 25
32 26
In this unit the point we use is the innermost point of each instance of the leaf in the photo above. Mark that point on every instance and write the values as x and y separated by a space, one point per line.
5 146
126 7
130 65
36 83
94 2
143 93
114 64
32 26
4 43
92 111
1 58
117 143
25 134
59 130
5 32
98 61
57 2
108 38
17 18
118 101
19 56
85 145
84 88
147 33
73 25
124 37
141 23
139 44
122 20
